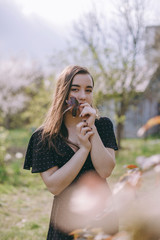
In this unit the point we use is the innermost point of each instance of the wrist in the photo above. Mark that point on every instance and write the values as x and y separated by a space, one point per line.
85 149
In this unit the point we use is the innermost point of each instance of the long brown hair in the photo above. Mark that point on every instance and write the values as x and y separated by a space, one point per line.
53 125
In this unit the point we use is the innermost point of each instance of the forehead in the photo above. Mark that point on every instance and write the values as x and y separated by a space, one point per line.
82 79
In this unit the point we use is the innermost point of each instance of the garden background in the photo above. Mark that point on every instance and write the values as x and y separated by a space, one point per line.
112 43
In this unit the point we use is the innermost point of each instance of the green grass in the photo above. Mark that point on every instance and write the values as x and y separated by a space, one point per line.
25 212
25 203
17 139
131 149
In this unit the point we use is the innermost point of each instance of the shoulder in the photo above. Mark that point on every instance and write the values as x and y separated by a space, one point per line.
35 142
106 132
36 136
39 156
103 122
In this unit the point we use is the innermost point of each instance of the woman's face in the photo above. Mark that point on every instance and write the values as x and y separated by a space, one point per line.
82 88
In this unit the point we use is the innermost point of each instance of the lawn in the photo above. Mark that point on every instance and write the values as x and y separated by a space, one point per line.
25 203
131 149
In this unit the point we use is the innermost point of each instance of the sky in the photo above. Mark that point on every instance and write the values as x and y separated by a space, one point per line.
58 12
37 28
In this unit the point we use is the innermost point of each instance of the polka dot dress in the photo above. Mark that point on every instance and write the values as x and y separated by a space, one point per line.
40 158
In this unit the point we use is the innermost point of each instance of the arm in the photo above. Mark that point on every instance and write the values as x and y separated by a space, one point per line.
56 179
103 158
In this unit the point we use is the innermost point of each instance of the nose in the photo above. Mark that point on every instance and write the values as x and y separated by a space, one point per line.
82 95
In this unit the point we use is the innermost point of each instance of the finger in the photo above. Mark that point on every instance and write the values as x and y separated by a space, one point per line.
80 126
85 112
85 120
90 121
84 104
84 130
88 111
89 134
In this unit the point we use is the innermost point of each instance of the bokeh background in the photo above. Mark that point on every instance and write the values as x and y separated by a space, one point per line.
119 42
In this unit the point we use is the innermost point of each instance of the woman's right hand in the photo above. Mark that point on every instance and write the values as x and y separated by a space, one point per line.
84 133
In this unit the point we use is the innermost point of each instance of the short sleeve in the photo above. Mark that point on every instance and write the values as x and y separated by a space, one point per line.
106 132
39 156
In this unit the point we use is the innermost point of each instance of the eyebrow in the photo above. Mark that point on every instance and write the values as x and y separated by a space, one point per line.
76 85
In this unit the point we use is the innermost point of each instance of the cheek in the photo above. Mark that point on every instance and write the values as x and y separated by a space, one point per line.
71 94
90 98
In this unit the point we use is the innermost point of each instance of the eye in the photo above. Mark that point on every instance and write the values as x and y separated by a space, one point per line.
74 89
88 90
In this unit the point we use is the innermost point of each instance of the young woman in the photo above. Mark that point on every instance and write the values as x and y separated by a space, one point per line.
66 147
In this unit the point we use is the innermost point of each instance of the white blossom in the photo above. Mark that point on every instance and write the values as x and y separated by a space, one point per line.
19 155
15 75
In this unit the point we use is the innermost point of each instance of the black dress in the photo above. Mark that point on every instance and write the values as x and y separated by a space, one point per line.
41 158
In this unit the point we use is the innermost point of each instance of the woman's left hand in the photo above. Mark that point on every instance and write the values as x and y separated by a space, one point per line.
88 114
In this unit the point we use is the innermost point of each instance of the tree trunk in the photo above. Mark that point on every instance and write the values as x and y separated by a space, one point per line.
120 128
7 121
